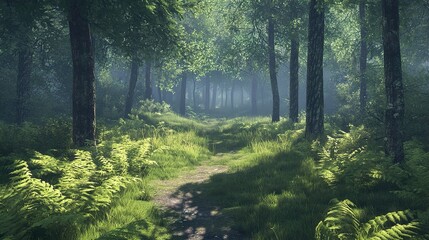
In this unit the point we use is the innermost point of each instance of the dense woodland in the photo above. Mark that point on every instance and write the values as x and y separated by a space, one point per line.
318 111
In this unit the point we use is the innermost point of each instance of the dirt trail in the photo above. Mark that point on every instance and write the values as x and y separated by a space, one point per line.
195 217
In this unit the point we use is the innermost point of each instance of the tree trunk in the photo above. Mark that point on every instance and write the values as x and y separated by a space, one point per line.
273 73
363 56
207 95
394 115
214 96
254 95
315 103
241 94
159 94
148 82
226 96
232 94
194 94
131 87
84 122
182 107
294 81
25 63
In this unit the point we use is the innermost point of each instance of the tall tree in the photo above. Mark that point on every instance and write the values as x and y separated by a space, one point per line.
148 82
294 61
182 102
294 80
273 72
25 62
315 103
131 87
363 56
83 73
394 114
214 95
232 94
254 96
207 95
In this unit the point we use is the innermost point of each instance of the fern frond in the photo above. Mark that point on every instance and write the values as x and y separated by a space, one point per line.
342 222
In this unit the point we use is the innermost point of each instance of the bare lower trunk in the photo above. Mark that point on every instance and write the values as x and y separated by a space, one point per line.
207 95
232 94
315 103
241 95
25 62
363 56
194 94
148 82
394 115
273 72
83 74
182 107
254 95
294 82
131 87
159 94
214 95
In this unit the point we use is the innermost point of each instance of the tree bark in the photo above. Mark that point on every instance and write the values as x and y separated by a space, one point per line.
84 123
294 81
232 94
159 94
273 72
254 95
241 94
214 95
25 64
226 96
315 103
194 97
363 56
182 107
148 82
394 115
207 95
131 87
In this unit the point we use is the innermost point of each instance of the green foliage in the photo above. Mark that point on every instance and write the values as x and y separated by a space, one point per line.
346 160
343 221
412 178
33 208
150 106
52 134
27 203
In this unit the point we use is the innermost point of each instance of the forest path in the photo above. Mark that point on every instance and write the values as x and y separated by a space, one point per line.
194 216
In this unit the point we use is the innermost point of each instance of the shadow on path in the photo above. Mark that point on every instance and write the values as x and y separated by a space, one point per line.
195 216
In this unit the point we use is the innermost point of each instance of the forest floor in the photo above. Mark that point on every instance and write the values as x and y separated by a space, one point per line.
193 215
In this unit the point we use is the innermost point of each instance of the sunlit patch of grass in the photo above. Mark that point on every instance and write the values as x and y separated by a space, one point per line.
177 152
271 191
130 218
176 122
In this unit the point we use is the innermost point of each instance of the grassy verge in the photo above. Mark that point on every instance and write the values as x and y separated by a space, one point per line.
275 188
172 152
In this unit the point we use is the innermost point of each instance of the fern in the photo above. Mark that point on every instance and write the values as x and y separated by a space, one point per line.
342 222
412 178
45 167
27 201
345 160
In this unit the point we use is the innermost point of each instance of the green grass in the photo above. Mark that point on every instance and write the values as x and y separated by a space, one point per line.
273 189
133 217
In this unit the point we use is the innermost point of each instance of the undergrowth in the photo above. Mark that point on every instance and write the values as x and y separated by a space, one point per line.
56 192
279 185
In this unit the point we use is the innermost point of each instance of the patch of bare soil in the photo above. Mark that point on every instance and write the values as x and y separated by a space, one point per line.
195 217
